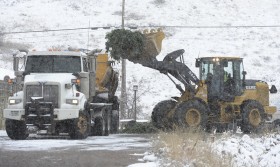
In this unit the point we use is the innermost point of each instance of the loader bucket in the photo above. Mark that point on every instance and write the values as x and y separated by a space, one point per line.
152 43
135 46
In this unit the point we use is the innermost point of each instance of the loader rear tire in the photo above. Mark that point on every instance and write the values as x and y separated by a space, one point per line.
252 117
191 114
159 114
16 130
80 127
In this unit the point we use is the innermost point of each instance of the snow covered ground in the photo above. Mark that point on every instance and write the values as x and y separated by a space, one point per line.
258 46
251 151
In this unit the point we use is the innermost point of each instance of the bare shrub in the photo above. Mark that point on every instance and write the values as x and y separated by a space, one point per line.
266 58
191 148
143 89
8 46
158 2
1 36
75 6
134 16
118 13
257 63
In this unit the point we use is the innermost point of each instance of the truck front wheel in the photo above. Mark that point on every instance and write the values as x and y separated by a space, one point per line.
16 130
80 127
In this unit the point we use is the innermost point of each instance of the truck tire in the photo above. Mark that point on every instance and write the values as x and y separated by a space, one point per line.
115 115
80 127
252 117
16 130
192 113
159 114
114 121
276 125
99 127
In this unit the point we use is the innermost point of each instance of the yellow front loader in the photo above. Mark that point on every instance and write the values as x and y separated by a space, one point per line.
221 97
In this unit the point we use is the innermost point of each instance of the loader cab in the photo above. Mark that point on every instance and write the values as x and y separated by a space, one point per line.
224 77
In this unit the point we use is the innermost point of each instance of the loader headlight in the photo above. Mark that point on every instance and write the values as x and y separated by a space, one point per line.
216 59
14 101
72 101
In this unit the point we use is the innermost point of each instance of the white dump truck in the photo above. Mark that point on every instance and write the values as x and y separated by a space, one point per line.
63 92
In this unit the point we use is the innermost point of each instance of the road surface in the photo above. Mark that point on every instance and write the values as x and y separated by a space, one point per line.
97 151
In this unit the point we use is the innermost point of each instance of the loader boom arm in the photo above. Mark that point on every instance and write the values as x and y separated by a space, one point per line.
169 65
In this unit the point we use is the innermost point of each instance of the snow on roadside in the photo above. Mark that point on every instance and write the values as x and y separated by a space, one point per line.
251 151
149 160
242 149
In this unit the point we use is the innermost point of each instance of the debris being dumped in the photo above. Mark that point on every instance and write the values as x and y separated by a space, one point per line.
134 46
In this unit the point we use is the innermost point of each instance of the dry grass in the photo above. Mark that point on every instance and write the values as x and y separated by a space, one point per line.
190 148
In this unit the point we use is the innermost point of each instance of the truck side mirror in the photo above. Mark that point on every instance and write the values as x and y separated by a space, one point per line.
273 89
197 63
15 63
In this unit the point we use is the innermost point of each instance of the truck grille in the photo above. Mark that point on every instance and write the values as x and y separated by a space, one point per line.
50 93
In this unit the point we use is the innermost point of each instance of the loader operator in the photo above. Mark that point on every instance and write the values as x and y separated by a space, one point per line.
229 84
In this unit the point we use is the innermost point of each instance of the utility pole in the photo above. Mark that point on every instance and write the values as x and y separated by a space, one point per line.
123 79
135 88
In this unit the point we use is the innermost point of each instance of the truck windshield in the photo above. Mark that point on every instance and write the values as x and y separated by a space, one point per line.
53 64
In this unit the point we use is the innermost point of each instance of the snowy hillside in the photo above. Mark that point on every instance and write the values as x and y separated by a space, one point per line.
258 46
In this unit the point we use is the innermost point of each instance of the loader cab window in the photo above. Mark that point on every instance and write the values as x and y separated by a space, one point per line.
206 70
237 69
223 79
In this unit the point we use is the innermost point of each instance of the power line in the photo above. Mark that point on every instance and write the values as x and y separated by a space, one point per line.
46 36
206 27
53 30
149 26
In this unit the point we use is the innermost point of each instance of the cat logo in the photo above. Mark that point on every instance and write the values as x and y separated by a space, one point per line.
251 87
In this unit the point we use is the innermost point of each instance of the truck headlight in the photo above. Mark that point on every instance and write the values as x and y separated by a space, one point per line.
72 101
14 101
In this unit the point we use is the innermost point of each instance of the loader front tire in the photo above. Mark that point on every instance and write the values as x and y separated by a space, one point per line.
159 114
252 117
16 130
191 114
